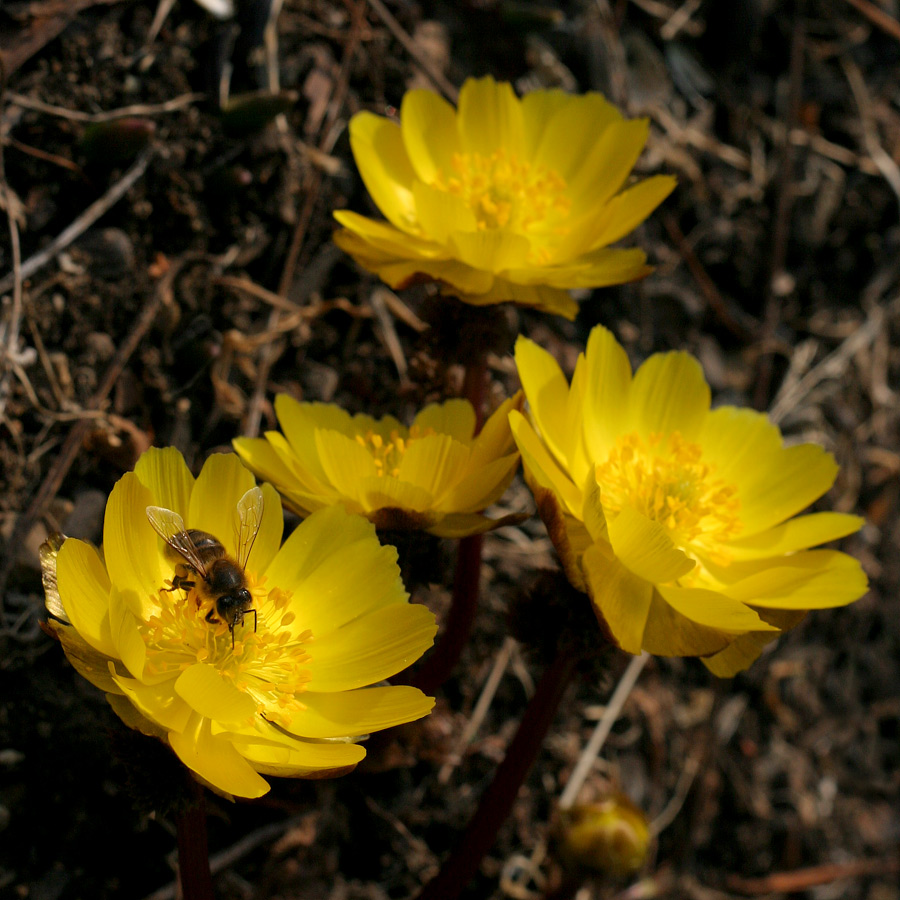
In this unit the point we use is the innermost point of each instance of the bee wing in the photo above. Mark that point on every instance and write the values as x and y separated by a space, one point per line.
170 527
250 511
48 553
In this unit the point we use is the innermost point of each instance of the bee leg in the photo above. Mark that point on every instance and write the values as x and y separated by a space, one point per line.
212 617
254 619
180 584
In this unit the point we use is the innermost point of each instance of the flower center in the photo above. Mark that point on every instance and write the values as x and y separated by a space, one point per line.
505 192
268 664
388 454
666 479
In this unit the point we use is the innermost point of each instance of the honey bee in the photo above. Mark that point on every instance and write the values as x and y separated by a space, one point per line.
202 562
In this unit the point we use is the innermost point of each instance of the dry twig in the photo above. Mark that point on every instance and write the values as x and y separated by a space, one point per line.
311 189
72 444
814 876
488 692
783 206
82 223
885 162
877 17
76 115
409 45
10 332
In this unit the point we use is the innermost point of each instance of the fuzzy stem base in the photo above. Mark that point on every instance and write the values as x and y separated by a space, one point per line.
497 801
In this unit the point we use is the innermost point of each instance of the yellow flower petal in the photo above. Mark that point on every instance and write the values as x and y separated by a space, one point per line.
574 443
495 438
344 462
624 212
378 492
713 609
428 124
489 116
371 648
84 587
606 393
796 534
565 129
541 466
271 529
124 709
291 758
481 488
358 712
490 250
166 475
458 525
132 551
215 760
204 689
548 394
385 168
669 393
454 276
329 597
299 422
795 477
381 239
87 661
433 461
263 460
744 650
739 654
123 627
453 417
668 633
214 500
645 549
611 159
599 268
324 562
593 515
811 579
441 213
739 441
537 296
621 598
157 703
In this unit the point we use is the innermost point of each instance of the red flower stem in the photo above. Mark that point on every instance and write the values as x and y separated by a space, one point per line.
466 581
497 801
439 665
193 850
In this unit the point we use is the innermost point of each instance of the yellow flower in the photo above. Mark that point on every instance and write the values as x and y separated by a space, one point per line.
433 476
679 521
284 693
503 199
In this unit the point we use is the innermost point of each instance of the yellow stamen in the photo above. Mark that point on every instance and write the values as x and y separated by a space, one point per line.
387 455
267 664
506 192
666 479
